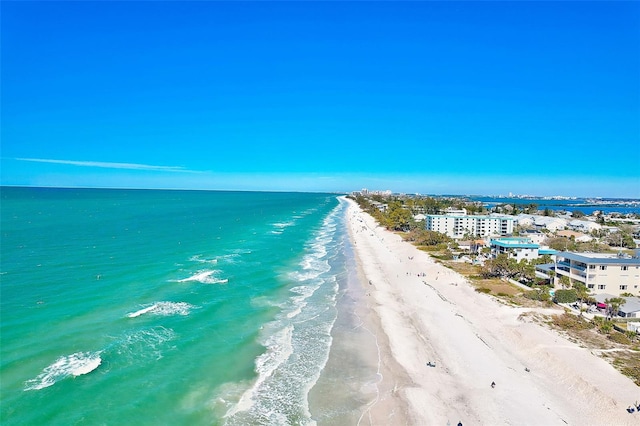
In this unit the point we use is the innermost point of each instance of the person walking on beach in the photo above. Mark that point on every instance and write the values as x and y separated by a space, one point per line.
493 385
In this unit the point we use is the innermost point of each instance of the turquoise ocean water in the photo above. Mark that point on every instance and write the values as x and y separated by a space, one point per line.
171 307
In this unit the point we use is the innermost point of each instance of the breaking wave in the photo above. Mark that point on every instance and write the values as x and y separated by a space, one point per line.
164 309
76 364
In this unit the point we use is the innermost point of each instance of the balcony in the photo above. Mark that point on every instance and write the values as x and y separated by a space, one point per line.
582 279
579 267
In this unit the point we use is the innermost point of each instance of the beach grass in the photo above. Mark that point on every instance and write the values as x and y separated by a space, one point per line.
615 347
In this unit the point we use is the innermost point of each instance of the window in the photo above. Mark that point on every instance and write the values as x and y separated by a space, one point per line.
592 266
624 268
601 286
591 286
603 267
623 287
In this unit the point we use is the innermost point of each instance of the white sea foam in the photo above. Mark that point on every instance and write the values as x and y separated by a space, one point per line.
299 342
139 345
282 225
205 277
279 348
164 309
230 258
76 364
200 276
141 311
198 258
240 251
234 255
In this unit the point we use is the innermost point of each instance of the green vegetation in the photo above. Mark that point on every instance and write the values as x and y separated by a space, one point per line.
396 212
600 333
539 293
614 304
505 267
565 296
622 238
423 237
516 208
571 322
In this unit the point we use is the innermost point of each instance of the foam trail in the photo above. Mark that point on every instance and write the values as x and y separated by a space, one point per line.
141 311
164 309
200 277
205 277
198 258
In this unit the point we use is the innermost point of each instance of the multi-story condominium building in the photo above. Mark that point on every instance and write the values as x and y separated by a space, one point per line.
516 248
457 226
600 272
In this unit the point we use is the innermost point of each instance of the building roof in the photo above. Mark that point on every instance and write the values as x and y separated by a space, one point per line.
549 251
514 242
546 267
567 234
585 224
631 304
600 258
601 297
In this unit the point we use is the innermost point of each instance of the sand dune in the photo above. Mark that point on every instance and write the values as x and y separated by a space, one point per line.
426 313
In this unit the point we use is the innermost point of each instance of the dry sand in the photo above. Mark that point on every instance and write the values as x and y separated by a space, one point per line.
423 312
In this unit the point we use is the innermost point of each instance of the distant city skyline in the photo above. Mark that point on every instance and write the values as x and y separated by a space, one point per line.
481 98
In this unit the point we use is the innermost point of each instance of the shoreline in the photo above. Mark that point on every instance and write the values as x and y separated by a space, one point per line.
422 312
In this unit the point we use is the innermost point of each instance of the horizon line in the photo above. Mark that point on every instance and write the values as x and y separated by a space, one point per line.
516 196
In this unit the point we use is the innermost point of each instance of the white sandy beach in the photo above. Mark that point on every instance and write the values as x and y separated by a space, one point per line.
473 340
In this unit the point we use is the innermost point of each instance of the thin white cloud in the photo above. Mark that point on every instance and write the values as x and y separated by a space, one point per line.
108 165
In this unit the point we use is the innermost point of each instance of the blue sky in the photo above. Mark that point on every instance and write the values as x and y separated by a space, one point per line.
431 97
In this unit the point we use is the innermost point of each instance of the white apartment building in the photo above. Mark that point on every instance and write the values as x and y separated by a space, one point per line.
457 226
515 248
600 272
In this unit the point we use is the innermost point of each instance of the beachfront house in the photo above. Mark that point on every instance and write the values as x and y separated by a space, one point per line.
600 272
471 246
517 248
538 222
534 235
460 225
578 237
586 226
380 206
630 308
551 223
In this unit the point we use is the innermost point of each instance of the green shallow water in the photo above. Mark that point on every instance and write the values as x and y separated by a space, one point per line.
166 307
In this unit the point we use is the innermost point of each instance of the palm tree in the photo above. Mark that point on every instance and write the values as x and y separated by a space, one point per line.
581 292
614 304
